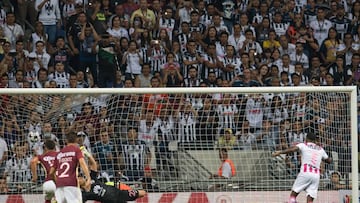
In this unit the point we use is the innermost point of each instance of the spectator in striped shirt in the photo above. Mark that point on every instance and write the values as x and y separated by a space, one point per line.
135 156
192 80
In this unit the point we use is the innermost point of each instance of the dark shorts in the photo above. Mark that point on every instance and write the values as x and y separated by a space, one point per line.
108 194
120 196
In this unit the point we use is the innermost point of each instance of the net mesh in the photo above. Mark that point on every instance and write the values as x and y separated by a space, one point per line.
172 142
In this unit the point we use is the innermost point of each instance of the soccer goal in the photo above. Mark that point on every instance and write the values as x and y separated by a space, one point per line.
172 142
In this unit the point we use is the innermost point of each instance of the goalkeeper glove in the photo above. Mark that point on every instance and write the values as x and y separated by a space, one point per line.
85 151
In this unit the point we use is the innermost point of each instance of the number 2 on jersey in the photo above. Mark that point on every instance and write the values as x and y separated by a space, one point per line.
64 167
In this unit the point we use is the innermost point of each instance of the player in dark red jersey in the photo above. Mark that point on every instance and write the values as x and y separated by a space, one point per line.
47 161
99 191
66 167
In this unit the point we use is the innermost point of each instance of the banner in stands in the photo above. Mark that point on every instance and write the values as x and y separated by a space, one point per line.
346 197
203 197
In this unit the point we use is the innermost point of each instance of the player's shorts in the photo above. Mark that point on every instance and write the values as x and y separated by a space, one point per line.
68 194
308 182
49 189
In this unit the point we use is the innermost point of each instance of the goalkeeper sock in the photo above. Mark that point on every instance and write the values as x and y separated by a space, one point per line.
292 199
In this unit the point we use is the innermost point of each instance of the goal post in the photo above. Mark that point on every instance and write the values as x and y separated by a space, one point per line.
199 159
354 141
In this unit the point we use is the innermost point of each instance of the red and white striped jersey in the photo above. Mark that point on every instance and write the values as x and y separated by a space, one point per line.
311 157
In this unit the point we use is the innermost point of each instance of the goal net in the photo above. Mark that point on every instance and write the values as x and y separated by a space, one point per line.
172 141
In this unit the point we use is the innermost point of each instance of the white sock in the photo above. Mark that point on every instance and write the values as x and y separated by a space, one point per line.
292 200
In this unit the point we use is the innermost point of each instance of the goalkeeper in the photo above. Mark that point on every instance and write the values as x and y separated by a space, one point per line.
99 191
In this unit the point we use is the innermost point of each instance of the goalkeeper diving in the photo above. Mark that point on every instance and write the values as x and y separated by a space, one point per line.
101 192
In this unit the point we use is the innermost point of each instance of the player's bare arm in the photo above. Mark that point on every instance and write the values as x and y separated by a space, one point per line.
142 193
328 160
52 173
92 163
286 151
33 165
86 172
82 183
91 160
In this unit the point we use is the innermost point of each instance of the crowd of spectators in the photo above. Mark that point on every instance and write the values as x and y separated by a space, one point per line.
167 43
100 43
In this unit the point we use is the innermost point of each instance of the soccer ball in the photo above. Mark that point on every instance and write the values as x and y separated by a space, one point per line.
34 137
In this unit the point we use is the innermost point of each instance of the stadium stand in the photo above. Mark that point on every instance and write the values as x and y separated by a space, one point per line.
183 43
